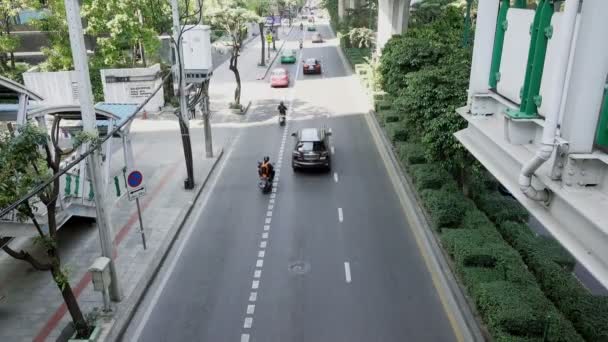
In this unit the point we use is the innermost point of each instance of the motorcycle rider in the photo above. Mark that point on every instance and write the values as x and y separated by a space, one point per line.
282 108
301 26
266 169
301 44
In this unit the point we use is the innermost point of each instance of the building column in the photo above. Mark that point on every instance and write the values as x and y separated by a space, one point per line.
587 78
341 6
393 18
485 31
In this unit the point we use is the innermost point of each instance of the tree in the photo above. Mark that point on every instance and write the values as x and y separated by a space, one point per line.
233 21
58 54
122 32
28 157
9 11
261 8
361 37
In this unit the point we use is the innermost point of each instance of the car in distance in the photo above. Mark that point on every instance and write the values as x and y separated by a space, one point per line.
288 57
312 28
312 66
311 150
279 78
317 38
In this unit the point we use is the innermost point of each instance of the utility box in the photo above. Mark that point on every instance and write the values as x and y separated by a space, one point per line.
198 63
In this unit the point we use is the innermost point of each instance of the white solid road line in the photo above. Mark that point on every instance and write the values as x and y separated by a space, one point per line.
336 177
347 271
340 215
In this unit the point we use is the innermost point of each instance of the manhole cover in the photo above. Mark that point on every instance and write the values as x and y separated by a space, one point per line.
299 267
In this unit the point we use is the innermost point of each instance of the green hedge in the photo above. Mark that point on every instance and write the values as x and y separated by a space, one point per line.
501 208
520 312
429 176
410 154
392 116
588 313
395 131
446 208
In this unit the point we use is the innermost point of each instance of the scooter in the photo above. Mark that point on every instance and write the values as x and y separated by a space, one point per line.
265 185
282 119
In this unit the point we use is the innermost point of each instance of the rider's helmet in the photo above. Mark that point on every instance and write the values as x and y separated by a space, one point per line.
282 103
266 159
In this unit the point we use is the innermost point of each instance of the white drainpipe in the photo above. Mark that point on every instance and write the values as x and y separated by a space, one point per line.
558 77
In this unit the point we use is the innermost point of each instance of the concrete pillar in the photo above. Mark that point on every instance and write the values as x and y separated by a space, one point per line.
485 30
341 8
587 78
393 18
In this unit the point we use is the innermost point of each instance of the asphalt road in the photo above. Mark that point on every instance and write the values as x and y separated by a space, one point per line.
327 257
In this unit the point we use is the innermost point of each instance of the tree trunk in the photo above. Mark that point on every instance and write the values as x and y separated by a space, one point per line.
80 323
262 61
237 77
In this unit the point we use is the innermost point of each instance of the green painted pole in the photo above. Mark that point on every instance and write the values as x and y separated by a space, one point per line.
534 33
602 129
91 193
117 185
76 185
536 67
68 183
499 40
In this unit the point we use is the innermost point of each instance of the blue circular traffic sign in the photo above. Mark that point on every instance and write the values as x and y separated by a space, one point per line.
135 178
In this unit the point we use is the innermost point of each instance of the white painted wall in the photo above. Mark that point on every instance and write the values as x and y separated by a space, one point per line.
57 88
133 92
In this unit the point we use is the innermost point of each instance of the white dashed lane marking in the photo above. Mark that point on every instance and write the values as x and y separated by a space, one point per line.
336 177
340 215
347 272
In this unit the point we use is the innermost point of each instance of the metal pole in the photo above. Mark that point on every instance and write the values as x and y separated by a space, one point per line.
141 224
183 102
85 94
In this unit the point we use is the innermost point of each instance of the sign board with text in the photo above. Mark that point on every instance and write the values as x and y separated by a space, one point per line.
133 85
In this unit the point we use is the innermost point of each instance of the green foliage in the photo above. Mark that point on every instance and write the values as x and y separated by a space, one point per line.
361 37
521 311
395 132
446 208
23 166
588 314
429 176
410 154
501 208
357 55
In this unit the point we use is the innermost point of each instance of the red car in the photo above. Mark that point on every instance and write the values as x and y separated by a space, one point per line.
279 78
312 66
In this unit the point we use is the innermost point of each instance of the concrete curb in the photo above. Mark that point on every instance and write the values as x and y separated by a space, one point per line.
462 318
122 319
275 56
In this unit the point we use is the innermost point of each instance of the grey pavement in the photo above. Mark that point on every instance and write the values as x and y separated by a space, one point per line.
325 257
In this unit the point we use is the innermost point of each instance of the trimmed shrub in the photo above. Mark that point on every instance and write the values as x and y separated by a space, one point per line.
395 131
392 116
384 104
588 314
429 176
446 208
411 154
501 208
476 219
520 311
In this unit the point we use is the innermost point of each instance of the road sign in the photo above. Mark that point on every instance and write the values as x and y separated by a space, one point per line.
135 185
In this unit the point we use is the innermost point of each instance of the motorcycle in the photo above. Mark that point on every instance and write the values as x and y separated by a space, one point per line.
282 119
265 183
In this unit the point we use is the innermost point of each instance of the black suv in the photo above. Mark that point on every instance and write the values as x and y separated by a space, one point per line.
311 149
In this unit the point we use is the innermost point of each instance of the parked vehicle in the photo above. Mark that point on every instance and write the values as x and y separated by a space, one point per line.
311 150
311 28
